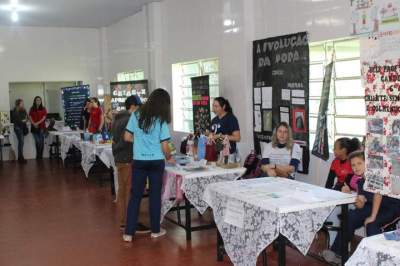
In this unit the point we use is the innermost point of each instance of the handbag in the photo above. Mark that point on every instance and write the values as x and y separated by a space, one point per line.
25 129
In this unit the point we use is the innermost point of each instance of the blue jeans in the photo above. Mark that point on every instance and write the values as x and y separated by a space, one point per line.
20 137
153 170
39 141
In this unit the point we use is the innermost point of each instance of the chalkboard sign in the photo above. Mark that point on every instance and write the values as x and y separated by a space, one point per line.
201 104
121 90
73 99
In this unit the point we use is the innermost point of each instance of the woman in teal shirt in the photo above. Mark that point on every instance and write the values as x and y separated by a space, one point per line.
148 130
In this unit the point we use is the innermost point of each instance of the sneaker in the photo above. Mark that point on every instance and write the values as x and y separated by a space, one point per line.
331 257
161 233
142 229
127 238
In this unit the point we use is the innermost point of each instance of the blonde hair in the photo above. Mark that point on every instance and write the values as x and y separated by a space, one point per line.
274 139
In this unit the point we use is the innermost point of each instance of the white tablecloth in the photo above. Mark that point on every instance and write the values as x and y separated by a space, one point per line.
250 214
376 250
178 182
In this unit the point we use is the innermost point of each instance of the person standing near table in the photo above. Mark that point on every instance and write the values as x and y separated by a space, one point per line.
37 115
281 157
96 120
225 122
19 118
85 115
123 156
148 130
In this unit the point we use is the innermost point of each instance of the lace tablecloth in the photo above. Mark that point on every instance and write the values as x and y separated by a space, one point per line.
376 250
66 142
250 214
193 184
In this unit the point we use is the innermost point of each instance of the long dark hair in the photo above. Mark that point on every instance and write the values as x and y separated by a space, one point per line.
349 144
158 106
224 103
17 103
34 104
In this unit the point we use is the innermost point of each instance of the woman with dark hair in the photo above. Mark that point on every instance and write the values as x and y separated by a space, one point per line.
281 157
225 122
148 130
37 115
96 119
18 118
85 115
341 167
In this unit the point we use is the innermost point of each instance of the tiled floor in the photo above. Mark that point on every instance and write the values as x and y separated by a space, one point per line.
50 215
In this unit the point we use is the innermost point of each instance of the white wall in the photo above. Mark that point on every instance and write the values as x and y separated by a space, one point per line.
194 29
31 54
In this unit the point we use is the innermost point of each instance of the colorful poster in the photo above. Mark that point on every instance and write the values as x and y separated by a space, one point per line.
374 16
381 78
201 104
281 70
122 90
321 146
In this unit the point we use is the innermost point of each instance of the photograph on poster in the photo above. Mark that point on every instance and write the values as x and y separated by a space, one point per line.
393 144
299 120
375 144
267 120
257 95
375 180
266 97
375 162
395 161
395 184
396 127
375 125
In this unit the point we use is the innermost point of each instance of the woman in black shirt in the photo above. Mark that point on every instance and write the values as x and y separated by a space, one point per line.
225 122
18 118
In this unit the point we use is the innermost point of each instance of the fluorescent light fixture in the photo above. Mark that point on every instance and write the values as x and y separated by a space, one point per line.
14 16
228 22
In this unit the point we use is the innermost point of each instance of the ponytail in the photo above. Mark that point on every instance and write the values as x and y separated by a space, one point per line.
224 103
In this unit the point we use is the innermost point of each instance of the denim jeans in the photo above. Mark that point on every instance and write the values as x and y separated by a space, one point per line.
39 141
142 170
20 137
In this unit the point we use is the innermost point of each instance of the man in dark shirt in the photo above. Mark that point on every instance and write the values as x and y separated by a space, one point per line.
123 156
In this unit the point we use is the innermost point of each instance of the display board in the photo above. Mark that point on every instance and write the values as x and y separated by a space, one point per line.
374 16
201 104
281 87
380 62
73 99
121 90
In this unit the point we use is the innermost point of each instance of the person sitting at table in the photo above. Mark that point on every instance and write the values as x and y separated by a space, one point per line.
340 167
123 156
148 130
372 210
281 157
225 122
96 119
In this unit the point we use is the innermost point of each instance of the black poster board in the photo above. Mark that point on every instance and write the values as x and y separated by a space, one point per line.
121 90
201 103
73 99
281 87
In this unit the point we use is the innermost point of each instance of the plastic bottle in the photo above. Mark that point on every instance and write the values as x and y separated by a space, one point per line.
201 149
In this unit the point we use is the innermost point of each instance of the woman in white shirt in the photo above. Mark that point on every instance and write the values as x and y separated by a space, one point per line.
281 157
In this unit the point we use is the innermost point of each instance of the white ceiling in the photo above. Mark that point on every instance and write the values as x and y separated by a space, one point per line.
71 13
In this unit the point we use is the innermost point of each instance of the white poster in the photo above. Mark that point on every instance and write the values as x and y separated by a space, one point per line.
267 97
257 95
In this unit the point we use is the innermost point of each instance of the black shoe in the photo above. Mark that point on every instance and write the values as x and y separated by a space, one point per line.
142 229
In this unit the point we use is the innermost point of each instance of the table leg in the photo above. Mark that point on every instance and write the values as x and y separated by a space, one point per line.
57 147
220 247
343 231
281 250
112 182
188 225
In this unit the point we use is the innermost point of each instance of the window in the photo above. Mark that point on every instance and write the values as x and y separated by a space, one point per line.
346 111
182 89
129 76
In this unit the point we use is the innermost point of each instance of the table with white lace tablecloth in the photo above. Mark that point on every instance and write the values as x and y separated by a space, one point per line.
251 214
66 140
188 186
376 250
